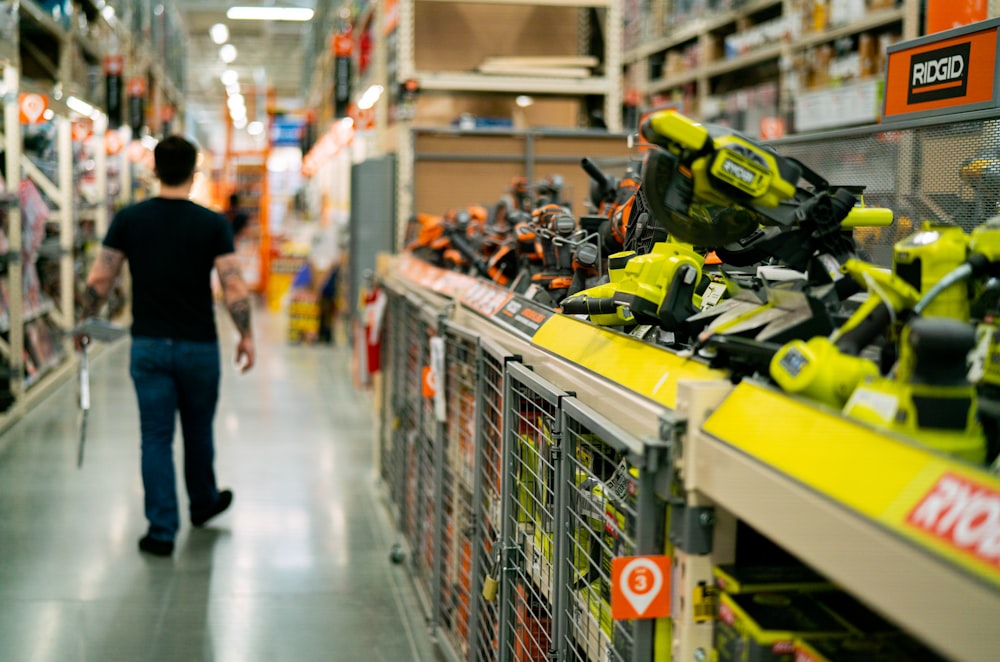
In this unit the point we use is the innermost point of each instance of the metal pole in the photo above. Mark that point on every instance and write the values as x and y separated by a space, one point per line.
478 511
67 226
562 548
101 174
437 572
506 523
12 132
648 540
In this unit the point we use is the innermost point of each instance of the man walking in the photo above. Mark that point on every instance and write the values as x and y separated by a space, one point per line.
172 245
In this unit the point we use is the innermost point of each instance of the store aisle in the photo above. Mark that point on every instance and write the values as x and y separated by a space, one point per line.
296 570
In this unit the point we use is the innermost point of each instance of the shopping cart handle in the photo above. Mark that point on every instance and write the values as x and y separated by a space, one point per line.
98 329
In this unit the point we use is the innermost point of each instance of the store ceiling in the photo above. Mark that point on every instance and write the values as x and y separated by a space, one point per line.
270 54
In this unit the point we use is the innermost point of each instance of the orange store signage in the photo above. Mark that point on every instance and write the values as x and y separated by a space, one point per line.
943 73
640 587
31 107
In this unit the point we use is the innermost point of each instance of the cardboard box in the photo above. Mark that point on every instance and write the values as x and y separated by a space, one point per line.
763 627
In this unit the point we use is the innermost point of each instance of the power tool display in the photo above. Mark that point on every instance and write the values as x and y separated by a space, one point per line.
704 188
733 254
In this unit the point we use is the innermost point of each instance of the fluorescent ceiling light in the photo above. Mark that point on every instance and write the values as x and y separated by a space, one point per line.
108 12
240 123
523 100
80 106
233 89
269 14
255 128
219 33
227 53
48 114
236 101
230 77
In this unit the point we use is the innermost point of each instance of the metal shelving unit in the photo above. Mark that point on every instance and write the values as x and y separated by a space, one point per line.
704 33
607 85
570 471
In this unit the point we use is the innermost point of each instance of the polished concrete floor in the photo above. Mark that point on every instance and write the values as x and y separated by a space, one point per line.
297 570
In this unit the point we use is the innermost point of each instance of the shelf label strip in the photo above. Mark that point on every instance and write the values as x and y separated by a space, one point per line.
646 369
944 505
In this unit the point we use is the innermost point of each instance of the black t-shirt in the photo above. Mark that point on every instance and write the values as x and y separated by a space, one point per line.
171 246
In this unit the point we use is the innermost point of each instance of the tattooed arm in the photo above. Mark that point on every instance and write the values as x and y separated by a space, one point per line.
101 279
236 295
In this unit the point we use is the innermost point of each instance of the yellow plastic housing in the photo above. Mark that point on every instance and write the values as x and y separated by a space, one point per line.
817 370
680 130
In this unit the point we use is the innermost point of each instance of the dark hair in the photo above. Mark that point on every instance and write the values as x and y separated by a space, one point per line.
175 159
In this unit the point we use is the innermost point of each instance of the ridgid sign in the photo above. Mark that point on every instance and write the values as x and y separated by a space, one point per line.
942 73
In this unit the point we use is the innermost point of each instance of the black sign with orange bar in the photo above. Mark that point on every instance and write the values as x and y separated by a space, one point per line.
943 73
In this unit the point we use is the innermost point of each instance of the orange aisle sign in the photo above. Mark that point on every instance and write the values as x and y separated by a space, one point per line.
113 142
943 73
429 382
81 129
31 107
948 14
640 587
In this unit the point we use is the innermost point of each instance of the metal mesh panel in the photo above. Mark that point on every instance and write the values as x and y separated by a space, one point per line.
394 344
946 172
424 508
409 361
418 461
533 420
459 446
488 458
602 518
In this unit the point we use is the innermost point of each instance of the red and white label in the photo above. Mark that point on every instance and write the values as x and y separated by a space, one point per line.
726 614
964 514
804 656
784 647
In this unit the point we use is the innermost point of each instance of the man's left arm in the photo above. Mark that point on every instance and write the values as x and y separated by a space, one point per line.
101 279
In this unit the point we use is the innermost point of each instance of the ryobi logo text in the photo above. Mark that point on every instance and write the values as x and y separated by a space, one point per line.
739 172
939 74
964 515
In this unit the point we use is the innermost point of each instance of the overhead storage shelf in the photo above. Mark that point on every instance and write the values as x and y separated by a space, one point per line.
869 511
870 22
470 82
693 29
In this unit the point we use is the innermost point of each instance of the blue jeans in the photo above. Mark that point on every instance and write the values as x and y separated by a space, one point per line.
172 376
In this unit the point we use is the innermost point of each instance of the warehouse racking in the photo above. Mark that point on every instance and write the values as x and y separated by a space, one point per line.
815 65
71 177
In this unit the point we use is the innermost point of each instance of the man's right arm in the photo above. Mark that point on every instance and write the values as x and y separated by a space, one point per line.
236 296
103 274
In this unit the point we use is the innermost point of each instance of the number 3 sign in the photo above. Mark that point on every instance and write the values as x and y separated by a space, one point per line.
640 587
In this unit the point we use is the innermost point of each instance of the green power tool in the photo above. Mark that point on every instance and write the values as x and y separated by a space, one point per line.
704 188
925 307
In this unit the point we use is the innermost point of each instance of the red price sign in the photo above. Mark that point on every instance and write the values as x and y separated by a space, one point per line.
640 587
